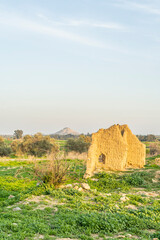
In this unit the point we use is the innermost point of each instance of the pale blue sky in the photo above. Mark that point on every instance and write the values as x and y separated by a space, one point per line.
83 64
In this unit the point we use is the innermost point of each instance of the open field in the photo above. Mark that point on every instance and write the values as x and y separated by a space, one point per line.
61 143
114 206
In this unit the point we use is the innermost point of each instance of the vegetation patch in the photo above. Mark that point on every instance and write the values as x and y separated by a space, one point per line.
115 205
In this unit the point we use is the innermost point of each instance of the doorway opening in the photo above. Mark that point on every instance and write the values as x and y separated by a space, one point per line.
102 158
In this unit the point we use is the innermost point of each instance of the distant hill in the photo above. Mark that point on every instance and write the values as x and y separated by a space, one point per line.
66 131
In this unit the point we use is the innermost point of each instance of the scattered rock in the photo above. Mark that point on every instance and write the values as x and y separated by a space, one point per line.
75 184
121 236
80 189
86 186
117 206
94 179
76 187
157 175
129 235
55 209
11 196
133 207
124 199
148 194
14 224
68 186
108 194
38 237
157 161
66 239
154 180
17 209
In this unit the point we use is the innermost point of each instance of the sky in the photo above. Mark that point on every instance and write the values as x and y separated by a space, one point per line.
83 64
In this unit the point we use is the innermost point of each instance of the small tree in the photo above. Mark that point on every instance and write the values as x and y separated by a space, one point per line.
4 149
18 134
77 145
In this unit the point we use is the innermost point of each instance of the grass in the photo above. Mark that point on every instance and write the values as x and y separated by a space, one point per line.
61 143
99 213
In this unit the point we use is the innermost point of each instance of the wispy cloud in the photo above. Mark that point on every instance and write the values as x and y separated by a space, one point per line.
147 8
84 23
50 30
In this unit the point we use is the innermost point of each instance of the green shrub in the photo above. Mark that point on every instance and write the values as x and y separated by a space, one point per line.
5 150
77 145
138 179
107 182
37 145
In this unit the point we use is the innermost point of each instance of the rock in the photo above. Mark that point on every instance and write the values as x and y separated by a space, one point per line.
117 206
155 238
38 237
11 196
124 198
14 224
129 235
75 184
154 180
148 194
80 189
86 186
108 194
17 209
76 187
157 161
131 207
66 238
95 179
68 186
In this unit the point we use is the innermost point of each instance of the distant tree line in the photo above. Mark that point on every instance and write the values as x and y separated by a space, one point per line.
68 136
37 145
147 138
63 137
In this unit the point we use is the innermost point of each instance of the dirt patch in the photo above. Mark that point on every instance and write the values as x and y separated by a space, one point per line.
43 202
157 161
148 194
133 207
66 239
157 176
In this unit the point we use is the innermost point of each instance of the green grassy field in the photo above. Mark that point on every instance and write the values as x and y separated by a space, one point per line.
61 143
117 205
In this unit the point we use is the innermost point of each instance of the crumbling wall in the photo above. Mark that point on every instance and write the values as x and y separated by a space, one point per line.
136 153
119 146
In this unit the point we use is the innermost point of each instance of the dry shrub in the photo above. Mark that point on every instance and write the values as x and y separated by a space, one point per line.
157 161
154 148
31 159
53 171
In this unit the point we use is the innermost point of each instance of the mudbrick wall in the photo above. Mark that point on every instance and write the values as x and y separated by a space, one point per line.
115 148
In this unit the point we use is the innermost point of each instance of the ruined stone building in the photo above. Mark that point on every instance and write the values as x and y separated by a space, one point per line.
115 148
